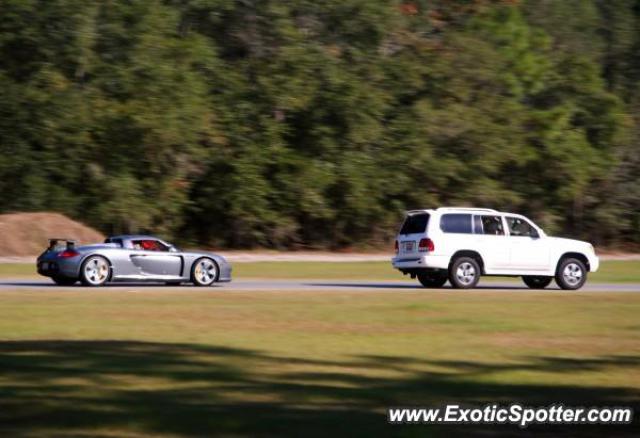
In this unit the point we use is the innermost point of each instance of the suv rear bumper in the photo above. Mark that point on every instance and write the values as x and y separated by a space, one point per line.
421 261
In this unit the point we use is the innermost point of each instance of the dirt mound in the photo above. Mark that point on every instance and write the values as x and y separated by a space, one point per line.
26 234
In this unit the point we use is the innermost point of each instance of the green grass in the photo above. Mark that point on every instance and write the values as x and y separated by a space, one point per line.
169 362
17 270
609 272
618 272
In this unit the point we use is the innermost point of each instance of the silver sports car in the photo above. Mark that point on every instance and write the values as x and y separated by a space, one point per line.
130 258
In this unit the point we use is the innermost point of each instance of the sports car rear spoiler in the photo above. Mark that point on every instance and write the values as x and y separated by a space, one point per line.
53 242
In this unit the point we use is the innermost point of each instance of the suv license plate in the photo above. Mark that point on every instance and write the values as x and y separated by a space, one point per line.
408 246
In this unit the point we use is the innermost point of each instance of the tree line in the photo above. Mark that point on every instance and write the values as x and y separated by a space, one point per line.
305 123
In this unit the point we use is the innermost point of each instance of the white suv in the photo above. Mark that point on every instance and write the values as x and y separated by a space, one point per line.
461 244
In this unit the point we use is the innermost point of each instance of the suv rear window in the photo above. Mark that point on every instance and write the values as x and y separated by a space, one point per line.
456 223
415 223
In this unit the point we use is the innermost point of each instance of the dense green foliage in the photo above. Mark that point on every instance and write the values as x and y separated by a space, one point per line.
286 123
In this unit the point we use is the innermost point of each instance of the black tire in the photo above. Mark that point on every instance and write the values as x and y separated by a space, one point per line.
536 281
198 269
432 279
464 273
571 274
64 281
100 276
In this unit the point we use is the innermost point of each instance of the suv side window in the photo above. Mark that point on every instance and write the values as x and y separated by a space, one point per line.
491 225
520 228
456 223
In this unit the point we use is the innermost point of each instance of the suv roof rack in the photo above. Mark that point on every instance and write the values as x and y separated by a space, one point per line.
466 209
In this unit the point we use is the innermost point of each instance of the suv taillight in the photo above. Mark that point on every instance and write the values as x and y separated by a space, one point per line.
396 247
426 245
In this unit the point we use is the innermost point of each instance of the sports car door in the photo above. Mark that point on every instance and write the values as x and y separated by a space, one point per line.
154 261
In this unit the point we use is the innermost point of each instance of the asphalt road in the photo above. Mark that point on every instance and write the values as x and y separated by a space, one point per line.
309 286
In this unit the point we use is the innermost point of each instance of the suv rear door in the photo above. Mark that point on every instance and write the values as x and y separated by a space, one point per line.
491 239
413 229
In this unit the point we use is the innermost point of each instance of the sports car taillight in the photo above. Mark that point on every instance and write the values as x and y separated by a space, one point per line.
426 245
67 253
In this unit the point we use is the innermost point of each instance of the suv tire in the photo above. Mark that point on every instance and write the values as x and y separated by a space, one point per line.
432 279
536 281
464 273
571 274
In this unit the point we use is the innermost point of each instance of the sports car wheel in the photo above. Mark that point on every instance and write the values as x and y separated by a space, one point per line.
94 271
204 272
536 281
64 281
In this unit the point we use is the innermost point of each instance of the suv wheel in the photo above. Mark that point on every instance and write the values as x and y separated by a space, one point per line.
571 274
432 279
464 273
536 281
